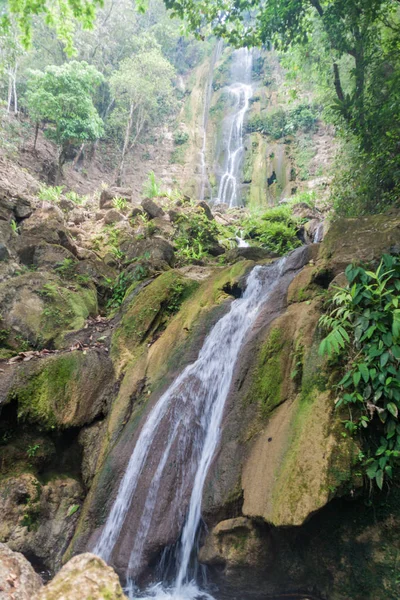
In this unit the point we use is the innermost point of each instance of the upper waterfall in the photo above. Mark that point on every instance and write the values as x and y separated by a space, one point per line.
240 91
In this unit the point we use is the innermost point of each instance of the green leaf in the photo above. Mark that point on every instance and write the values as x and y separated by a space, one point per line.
364 371
371 471
392 408
384 358
356 378
379 479
396 323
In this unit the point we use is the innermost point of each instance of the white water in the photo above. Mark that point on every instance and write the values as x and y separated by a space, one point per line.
240 92
204 181
319 233
192 408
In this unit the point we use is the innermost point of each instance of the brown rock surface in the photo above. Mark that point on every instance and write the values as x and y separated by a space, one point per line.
18 580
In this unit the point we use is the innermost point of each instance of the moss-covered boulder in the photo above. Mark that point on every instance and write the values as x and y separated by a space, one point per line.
85 575
36 309
65 390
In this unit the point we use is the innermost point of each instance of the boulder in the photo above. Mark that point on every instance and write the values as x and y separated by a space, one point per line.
6 209
48 256
22 208
204 206
152 209
304 211
86 577
113 216
107 196
18 580
44 226
65 390
156 251
90 439
38 308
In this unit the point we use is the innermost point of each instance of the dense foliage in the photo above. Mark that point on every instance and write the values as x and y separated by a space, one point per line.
62 97
364 333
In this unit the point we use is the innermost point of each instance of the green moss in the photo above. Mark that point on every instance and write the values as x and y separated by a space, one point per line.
44 393
67 310
268 375
150 309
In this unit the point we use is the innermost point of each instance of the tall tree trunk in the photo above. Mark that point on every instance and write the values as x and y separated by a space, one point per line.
77 157
12 101
126 144
36 134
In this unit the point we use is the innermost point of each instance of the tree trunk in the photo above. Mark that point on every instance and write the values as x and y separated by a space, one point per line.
12 101
77 157
126 144
36 134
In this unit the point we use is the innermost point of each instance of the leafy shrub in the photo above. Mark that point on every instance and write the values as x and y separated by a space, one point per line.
75 198
196 234
120 203
180 137
363 326
49 193
151 188
281 123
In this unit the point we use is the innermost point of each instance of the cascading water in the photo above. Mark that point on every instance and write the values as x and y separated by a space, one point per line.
204 181
240 92
188 418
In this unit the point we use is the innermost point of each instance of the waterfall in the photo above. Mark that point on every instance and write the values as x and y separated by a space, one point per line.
319 233
240 92
204 181
184 426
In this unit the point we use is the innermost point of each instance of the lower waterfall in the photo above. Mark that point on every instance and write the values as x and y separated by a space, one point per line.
184 427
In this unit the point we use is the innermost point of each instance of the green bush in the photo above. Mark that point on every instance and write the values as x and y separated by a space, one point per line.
180 137
280 123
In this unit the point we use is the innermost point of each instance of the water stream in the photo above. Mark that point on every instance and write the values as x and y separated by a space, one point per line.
186 421
240 92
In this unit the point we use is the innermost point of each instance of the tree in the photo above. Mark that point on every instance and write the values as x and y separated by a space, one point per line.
10 53
143 93
62 98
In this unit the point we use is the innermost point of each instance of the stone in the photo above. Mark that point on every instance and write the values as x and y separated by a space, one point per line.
4 253
23 208
156 251
152 209
86 577
65 390
207 210
38 308
113 216
304 211
90 439
135 212
106 198
49 256
18 580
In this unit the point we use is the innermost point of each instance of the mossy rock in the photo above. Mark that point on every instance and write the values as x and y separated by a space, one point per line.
37 309
299 461
67 390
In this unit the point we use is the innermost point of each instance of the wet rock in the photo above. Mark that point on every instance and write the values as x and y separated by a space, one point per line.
152 209
87 573
206 208
36 519
234 543
18 580
250 253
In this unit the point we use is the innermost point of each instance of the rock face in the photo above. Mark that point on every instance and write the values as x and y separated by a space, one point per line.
86 577
37 519
18 580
